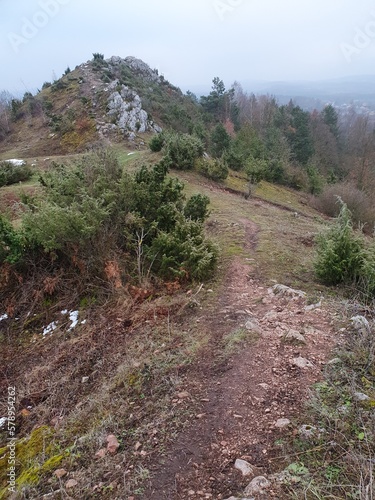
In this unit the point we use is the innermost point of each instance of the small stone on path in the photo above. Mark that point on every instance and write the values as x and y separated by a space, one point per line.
302 363
257 486
71 484
113 445
60 473
244 467
282 422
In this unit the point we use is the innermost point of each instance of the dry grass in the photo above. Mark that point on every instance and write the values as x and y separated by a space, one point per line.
339 460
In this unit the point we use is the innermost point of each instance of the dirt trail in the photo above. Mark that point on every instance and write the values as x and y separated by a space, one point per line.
235 402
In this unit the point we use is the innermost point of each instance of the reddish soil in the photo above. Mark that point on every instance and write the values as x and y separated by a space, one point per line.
235 402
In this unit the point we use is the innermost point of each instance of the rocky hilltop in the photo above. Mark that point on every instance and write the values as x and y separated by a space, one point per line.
113 99
124 110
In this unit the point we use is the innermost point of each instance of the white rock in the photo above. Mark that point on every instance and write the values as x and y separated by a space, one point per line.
311 307
286 291
296 336
302 362
125 106
85 380
282 422
244 467
360 323
257 486
360 396
3 421
253 326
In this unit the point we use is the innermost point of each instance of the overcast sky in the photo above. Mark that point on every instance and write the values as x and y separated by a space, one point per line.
190 42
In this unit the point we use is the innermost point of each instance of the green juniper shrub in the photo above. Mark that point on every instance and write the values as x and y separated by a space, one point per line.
11 242
92 213
196 207
234 159
157 142
212 168
183 253
157 202
276 171
53 227
11 174
156 198
256 171
220 140
16 109
181 151
344 258
316 180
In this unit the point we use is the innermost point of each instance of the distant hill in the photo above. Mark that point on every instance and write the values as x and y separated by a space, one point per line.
112 99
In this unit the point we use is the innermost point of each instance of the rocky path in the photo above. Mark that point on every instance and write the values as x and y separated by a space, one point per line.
242 405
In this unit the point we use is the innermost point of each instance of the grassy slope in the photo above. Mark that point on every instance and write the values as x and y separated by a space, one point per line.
136 354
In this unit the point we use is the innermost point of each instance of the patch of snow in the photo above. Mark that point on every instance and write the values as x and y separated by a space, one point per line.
129 154
73 317
4 316
50 328
2 422
84 322
16 163
65 311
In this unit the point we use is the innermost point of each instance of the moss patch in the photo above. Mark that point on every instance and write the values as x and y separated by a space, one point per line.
35 456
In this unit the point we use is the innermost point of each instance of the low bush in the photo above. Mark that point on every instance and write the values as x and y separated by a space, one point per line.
359 203
220 141
344 258
157 142
256 170
181 151
234 159
97 227
11 174
212 168
196 207
11 242
183 253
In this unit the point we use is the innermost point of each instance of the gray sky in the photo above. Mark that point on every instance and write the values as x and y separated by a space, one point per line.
190 42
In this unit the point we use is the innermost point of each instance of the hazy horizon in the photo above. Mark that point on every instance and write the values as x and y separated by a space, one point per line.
189 43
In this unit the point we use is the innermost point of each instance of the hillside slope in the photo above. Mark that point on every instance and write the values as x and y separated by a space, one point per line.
114 99
145 368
